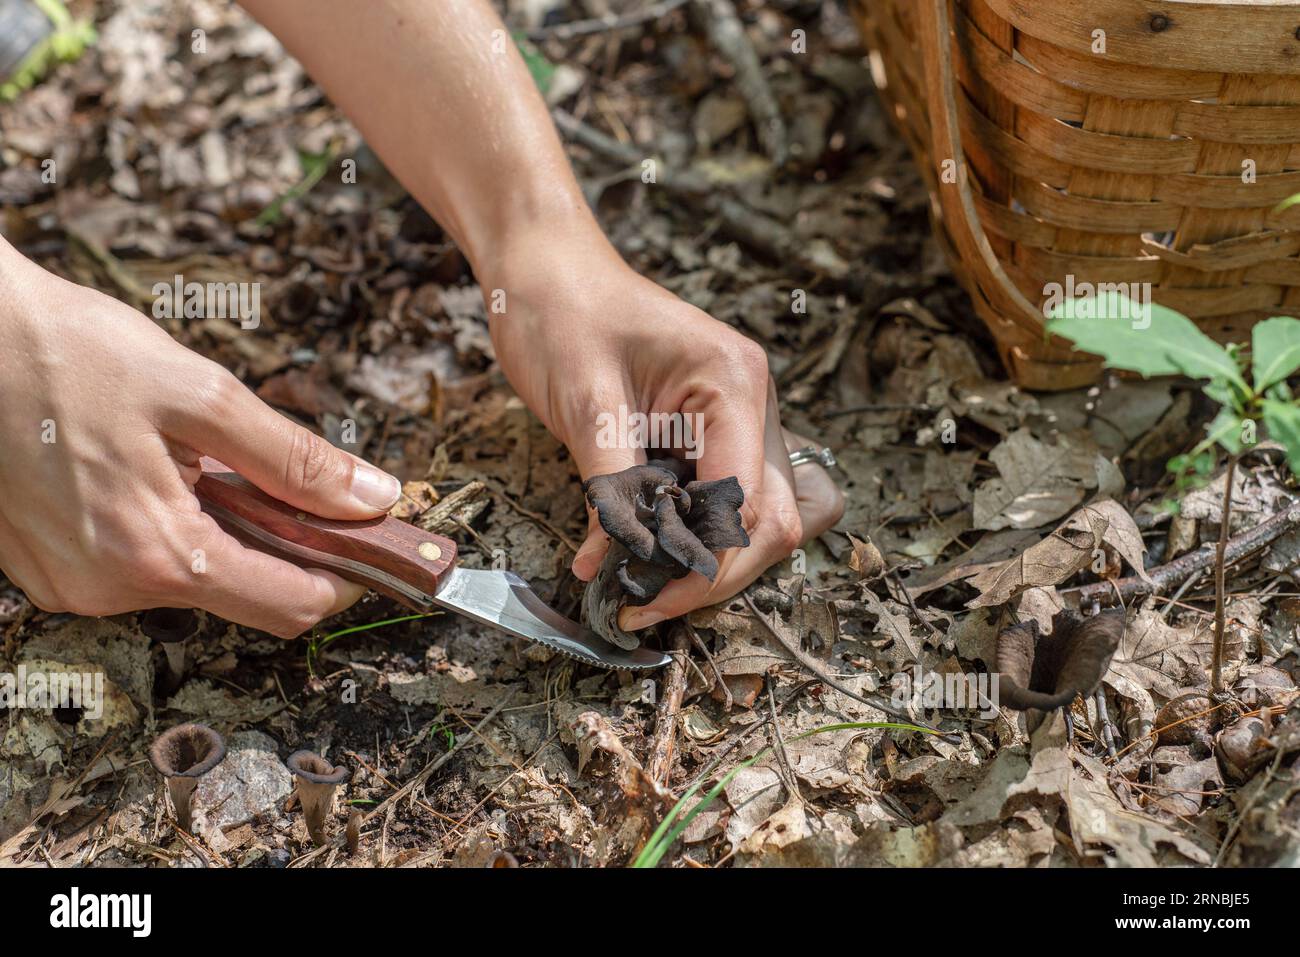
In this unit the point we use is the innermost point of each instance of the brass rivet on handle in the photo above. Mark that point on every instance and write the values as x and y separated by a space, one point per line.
1159 22
430 552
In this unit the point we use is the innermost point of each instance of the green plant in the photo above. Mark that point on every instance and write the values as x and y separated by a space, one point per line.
67 41
445 732
542 69
1153 340
314 166
316 645
671 827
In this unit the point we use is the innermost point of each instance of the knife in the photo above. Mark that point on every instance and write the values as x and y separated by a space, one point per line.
415 567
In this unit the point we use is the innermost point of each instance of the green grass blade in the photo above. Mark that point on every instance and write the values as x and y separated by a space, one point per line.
667 833
316 645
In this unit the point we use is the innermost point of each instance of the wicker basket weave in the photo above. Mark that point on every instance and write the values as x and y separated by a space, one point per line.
1119 156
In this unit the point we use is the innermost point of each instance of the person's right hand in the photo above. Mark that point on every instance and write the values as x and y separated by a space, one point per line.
584 334
103 418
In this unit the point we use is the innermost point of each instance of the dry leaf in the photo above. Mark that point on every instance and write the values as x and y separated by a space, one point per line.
1037 482
865 559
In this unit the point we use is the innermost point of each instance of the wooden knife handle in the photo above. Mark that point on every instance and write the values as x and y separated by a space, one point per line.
390 556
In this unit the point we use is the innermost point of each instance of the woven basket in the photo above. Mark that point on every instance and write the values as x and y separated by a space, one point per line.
1120 156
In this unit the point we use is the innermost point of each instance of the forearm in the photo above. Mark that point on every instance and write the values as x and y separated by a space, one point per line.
448 105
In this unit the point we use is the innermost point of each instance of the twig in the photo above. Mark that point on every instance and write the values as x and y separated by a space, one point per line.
911 604
659 766
1225 516
1103 717
1173 573
462 505
57 794
754 229
810 664
582 28
722 25
1183 589
730 702
541 520
778 745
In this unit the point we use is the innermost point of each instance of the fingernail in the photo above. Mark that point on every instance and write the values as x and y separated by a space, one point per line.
375 488
634 619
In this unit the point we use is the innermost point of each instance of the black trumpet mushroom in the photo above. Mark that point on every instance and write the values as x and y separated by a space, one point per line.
317 780
663 526
1041 673
182 755
171 628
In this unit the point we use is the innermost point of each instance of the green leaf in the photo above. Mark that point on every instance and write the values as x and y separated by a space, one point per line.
1151 339
1275 348
1283 422
1225 430
541 68
1287 203
314 166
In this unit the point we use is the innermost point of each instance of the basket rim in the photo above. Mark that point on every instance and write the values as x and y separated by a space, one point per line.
1217 36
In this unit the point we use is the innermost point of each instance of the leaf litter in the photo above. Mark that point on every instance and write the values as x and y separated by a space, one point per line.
971 505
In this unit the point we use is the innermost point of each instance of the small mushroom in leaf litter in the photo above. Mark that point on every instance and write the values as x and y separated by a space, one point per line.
170 627
1040 673
663 526
182 755
317 780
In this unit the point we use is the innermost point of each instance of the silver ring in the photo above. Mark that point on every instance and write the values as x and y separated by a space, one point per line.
814 455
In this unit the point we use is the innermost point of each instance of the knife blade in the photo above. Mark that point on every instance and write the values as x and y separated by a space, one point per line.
415 567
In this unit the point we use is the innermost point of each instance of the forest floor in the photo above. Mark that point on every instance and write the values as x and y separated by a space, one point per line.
971 504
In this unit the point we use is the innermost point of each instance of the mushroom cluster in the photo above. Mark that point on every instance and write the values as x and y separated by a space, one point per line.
663 526
1040 673
185 753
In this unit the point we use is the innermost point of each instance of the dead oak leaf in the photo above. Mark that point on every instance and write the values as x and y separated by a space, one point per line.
1070 548
1063 553
1096 816
1160 657
1036 482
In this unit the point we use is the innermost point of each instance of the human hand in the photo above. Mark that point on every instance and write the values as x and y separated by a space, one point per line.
582 334
104 418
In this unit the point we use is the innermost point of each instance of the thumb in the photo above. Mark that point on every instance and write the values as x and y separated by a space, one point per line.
287 461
